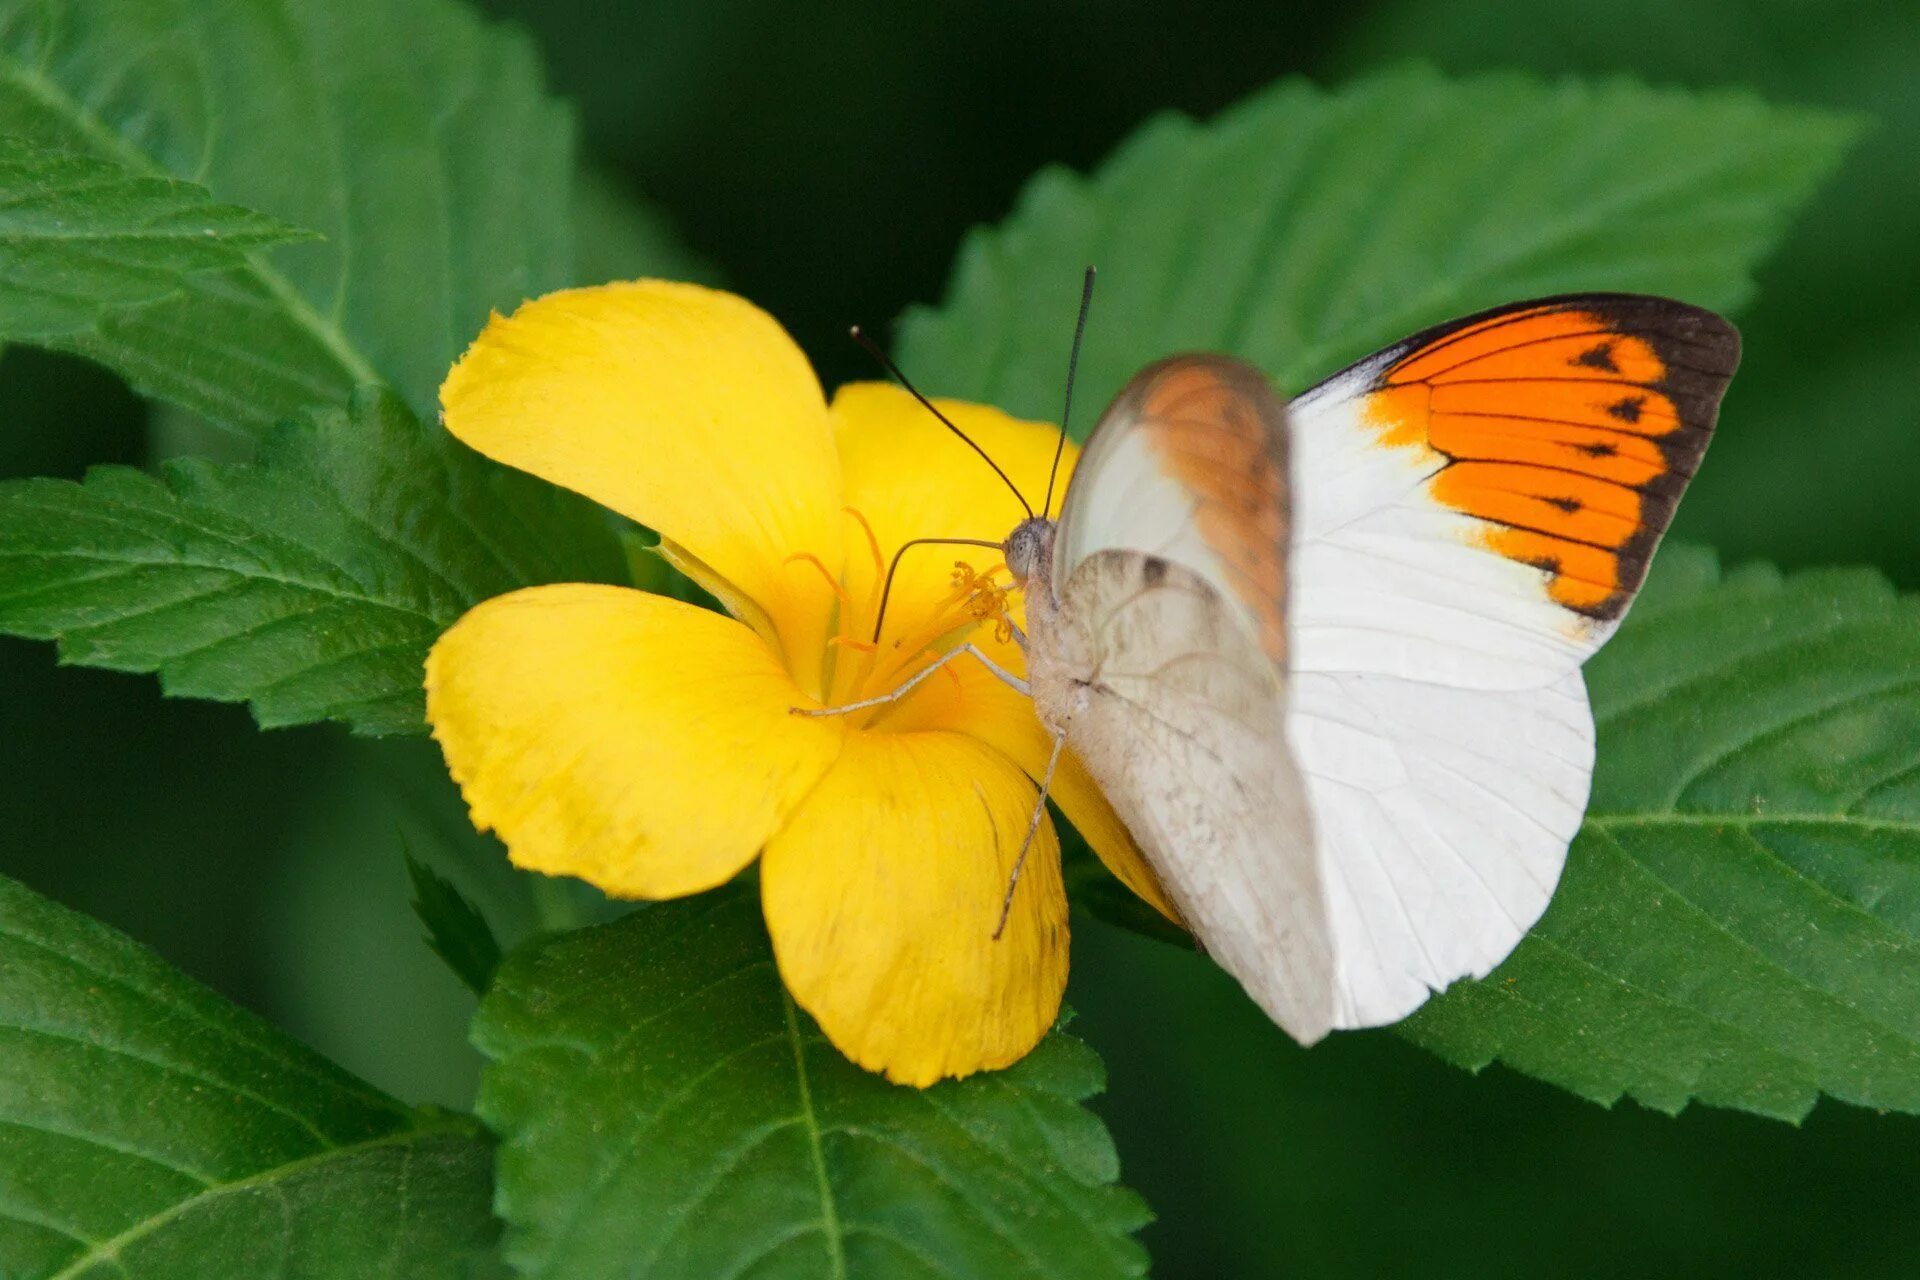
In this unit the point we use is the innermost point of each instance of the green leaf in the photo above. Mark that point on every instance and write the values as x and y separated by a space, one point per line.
81 237
1097 890
664 1111
410 133
456 929
151 1130
310 584
1303 229
1739 921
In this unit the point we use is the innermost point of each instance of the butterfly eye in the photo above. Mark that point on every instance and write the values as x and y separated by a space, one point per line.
1022 552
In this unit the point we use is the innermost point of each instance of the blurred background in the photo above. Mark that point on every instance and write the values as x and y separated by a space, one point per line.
826 163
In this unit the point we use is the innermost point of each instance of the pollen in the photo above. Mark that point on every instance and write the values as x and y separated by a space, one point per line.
985 600
976 594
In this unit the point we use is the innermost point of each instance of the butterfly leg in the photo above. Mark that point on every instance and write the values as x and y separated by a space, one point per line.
1033 829
908 686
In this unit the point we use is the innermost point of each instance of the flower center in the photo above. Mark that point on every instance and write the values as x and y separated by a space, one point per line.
916 635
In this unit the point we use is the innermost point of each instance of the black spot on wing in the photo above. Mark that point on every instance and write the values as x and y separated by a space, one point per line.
1627 408
1599 356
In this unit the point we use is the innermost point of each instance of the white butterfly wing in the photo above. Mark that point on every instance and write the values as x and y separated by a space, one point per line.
1472 512
1442 817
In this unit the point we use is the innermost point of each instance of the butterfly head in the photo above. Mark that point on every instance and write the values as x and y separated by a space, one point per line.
1028 548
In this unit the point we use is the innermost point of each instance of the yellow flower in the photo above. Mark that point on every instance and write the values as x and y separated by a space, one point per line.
651 748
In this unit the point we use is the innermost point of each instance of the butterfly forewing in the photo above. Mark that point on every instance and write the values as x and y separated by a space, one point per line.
1191 462
1481 501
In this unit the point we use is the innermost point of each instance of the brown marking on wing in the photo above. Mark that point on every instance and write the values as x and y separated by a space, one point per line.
1570 426
1219 431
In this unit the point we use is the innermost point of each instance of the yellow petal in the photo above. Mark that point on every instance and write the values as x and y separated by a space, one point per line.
912 478
979 703
639 743
684 408
882 894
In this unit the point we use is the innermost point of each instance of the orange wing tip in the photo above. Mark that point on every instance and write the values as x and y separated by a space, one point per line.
1569 426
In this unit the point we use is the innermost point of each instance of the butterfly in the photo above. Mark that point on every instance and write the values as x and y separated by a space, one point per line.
1323 655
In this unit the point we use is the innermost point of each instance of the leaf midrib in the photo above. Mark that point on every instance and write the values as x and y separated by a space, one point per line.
14 932
829 1210
1612 821
108 1250
241 577
298 308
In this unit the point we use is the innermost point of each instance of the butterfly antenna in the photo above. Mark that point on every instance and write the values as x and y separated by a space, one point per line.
1073 367
893 371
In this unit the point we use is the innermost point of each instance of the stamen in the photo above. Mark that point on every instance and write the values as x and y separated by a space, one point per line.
833 583
974 599
946 671
873 545
905 650
874 588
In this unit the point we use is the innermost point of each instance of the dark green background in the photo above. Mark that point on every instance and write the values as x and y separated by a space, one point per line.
827 164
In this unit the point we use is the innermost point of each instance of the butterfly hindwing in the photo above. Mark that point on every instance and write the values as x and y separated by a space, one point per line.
1179 714
1442 816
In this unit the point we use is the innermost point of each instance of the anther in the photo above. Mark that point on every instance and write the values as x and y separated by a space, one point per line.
987 599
